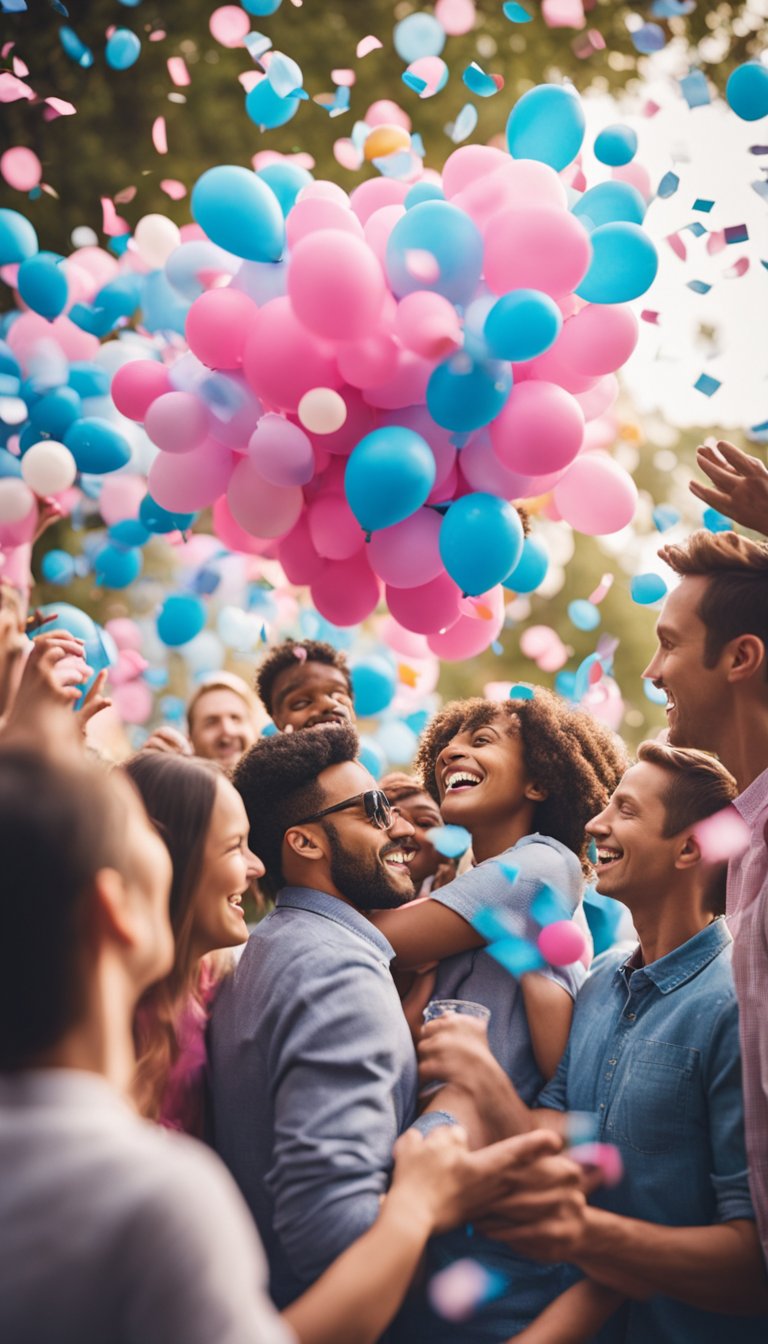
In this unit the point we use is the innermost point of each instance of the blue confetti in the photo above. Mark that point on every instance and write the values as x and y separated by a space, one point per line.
581 1127
516 13
452 841
413 81
761 188
584 615
698 286
417 145
665 516
493 924
703 206
17 7
715 521
464 124
695 89
257 44
696 229
549 906
478 82
521 691
74 48
668 185
592 851
497 648
516 956
647 589
509 868
706 384
648 39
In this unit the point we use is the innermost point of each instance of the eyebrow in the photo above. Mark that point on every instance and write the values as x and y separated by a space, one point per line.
625 796
665 631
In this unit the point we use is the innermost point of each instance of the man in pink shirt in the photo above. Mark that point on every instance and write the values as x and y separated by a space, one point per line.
712 661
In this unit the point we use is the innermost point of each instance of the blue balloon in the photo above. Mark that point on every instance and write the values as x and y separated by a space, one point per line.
372 757
129 532
616 145
58 567
452 239
530 569
120 297
239 213
97 446
610 203
423 191
100 651
389 475
647 588
464 393
266 108
162 309
547 124
584 615
481 540
88 379
418 35
374 683
159 520
623 266
42 284
522 325
286 181
260 8
747 91
122 50
180 618
56 411
115 567
18 240
9 365
9 465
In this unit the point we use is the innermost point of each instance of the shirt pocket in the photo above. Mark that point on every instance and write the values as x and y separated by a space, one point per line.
652 1107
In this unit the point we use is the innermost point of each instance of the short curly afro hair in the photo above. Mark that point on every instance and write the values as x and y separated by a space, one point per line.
286 655
277 780
566 752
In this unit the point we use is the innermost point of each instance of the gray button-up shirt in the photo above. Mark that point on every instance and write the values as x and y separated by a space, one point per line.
313 1078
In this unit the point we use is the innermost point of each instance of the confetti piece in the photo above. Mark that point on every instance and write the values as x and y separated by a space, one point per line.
761 188
257 45
478 82
345 77
456 1293
283 74
716 242
60 107
677 245
549 907
738 269
160 135
13 89
584 615
736 233
366 45
668 186
345 153
178 72
696 229
581 1126
706 384
563 13
649 38
510 869
648 315
695 89
464 124
603 588
14 6
703 206
587 44
407 676
665 516
516 13
606 1157
722 836
112 225
125 196
521 691
672 9
413 82
516 955
646 589
452 841
173 188
698 286
74 48
592 851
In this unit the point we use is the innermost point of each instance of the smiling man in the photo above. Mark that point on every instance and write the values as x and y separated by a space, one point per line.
313 1068
305 685
712 661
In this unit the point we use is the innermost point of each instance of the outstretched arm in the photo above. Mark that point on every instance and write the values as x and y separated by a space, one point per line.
739 485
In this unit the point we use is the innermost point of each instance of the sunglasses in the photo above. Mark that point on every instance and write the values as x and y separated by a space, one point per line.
378 809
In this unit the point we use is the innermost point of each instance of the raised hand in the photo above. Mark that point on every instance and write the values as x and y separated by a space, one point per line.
740 484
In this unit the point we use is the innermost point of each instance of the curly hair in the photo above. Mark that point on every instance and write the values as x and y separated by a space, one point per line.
278 783
566 753
287 654
735 601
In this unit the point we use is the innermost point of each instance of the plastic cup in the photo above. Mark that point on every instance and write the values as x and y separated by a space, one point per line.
464 1007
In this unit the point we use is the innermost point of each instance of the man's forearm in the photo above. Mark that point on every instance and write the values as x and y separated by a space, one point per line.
716 1268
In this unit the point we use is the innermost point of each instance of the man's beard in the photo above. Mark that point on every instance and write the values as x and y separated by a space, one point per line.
364 882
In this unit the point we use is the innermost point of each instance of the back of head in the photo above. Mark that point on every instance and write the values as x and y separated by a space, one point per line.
698 786
278 782
59 825
399 786
287 655
735 601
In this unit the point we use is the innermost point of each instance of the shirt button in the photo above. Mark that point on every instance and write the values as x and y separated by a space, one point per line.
602 1106
611 1061
631 1017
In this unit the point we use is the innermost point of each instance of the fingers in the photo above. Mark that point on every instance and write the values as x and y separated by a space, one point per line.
714 498
718 474
742 462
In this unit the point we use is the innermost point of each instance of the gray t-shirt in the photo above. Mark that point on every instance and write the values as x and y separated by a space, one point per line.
114 1231
541 862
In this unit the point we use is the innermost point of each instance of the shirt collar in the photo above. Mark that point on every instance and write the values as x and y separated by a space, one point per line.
753 800
330 907
684 962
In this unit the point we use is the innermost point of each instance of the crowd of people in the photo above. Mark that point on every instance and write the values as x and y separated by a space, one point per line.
217 1136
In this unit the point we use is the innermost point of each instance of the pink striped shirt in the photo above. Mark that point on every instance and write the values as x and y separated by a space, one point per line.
747 906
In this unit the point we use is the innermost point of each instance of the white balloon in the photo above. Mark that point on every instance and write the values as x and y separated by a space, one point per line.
322 410
16 500
48 467
155 238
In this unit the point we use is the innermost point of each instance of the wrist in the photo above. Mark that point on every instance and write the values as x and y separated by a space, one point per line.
597 1238
408 1214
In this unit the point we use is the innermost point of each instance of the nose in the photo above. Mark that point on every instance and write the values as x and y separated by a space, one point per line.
598 824
253 866
452 752
400 825
653 670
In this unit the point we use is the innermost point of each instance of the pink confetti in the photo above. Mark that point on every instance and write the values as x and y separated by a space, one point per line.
249 79
587 44
456 17
648 315
160 135
20 67
677 245
177 69
6 50
111 223
563 13
158 35
738 269
422 265
716 242
604 587
21 168
650 108
60 108
176 190
125 196
344 78
367 45
12 89
229 25
722 836
347 154
456 1292
299 653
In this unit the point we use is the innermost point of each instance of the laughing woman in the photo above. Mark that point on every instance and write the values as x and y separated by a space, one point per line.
201 818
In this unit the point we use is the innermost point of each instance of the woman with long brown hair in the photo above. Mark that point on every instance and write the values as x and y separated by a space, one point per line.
201 818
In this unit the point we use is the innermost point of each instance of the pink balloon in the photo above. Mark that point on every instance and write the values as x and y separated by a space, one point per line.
361 419
217 326
472 635
229 25
378 191
323 189
263 509
516 185
100 265
482 470
370 362
133 701
428 324
553 367
21 168
408 554
428 608
281 452
346 591
598 339
446 490
336 286
234 537
314 214
283 360
378 228
562 943
333 528
596 495
400 640
125 632
386 113
30 329
120 498
177 422
300 561
539 429
16 532
234 409
599 399
186 482
456 17
636 176
470 163
136 385
434 72
406 387
536 248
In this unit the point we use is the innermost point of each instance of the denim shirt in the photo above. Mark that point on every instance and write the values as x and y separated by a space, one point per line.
313 1078
654 1053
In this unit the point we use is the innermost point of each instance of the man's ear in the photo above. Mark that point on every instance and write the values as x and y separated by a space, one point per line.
535 794
689 854
305 843
746 656
113 905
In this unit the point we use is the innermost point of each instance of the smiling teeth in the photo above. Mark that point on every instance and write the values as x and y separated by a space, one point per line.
608 855
236 901
397 856
461 777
